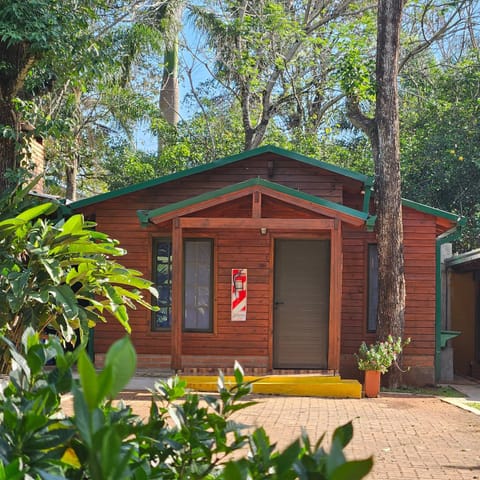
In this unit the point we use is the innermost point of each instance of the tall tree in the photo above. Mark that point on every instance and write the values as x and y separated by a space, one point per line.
80 92
169 102
93 109
25 37
165 17
384 134
270 54
391 305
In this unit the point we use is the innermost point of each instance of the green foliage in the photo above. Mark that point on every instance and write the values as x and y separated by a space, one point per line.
184 436
90 110
33 434
277 59
73 72
355 75
17 199
440 141
48 28
126 166
207 136
381 355
60 273
300 459
96 75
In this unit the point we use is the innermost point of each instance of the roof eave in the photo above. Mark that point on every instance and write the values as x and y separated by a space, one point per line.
357 216
456 220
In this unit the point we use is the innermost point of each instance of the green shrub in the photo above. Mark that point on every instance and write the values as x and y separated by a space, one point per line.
59 273
184 437
381 355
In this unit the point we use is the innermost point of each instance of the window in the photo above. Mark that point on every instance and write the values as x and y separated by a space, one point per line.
198 275
163 281
372 287
198 285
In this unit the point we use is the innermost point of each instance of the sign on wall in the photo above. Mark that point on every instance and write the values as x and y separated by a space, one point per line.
239 294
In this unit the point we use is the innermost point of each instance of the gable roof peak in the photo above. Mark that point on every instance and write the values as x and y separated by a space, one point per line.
266 149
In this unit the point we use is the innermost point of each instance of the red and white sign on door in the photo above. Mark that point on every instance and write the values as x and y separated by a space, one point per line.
239 294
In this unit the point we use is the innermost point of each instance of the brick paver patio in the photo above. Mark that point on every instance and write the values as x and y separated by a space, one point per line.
409 437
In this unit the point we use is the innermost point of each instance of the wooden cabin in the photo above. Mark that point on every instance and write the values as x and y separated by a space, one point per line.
269 258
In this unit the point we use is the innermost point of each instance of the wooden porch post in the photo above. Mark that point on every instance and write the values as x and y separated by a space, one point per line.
336 268
177 295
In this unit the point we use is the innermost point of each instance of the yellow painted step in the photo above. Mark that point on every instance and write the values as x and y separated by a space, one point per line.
267 378
312 386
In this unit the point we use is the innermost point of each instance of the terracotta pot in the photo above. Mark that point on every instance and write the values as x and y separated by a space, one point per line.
372 383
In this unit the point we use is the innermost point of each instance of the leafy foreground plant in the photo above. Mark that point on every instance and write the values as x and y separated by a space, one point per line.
59 274
184 437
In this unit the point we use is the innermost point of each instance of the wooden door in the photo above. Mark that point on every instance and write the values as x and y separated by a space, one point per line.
301 303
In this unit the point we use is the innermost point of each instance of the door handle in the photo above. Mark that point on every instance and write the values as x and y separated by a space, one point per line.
279 303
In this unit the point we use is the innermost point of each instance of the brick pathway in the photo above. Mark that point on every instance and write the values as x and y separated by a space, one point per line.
410 437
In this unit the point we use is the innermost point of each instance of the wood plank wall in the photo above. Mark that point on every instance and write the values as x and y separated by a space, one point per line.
419 249
251 250
118 218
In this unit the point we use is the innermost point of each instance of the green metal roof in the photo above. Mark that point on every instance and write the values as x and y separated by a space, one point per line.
366 180
146 215
434 211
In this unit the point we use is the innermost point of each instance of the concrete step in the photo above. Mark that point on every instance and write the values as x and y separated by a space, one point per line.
295 385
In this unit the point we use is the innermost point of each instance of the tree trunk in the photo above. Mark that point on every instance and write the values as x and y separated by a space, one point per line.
169 94
73 161
169 101
15 60
71 171
391 304
8 144
255 135
391 300
383 132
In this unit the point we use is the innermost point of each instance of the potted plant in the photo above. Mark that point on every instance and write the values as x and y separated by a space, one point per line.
377 359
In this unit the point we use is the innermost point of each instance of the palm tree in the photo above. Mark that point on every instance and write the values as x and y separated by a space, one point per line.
165 16
170 16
